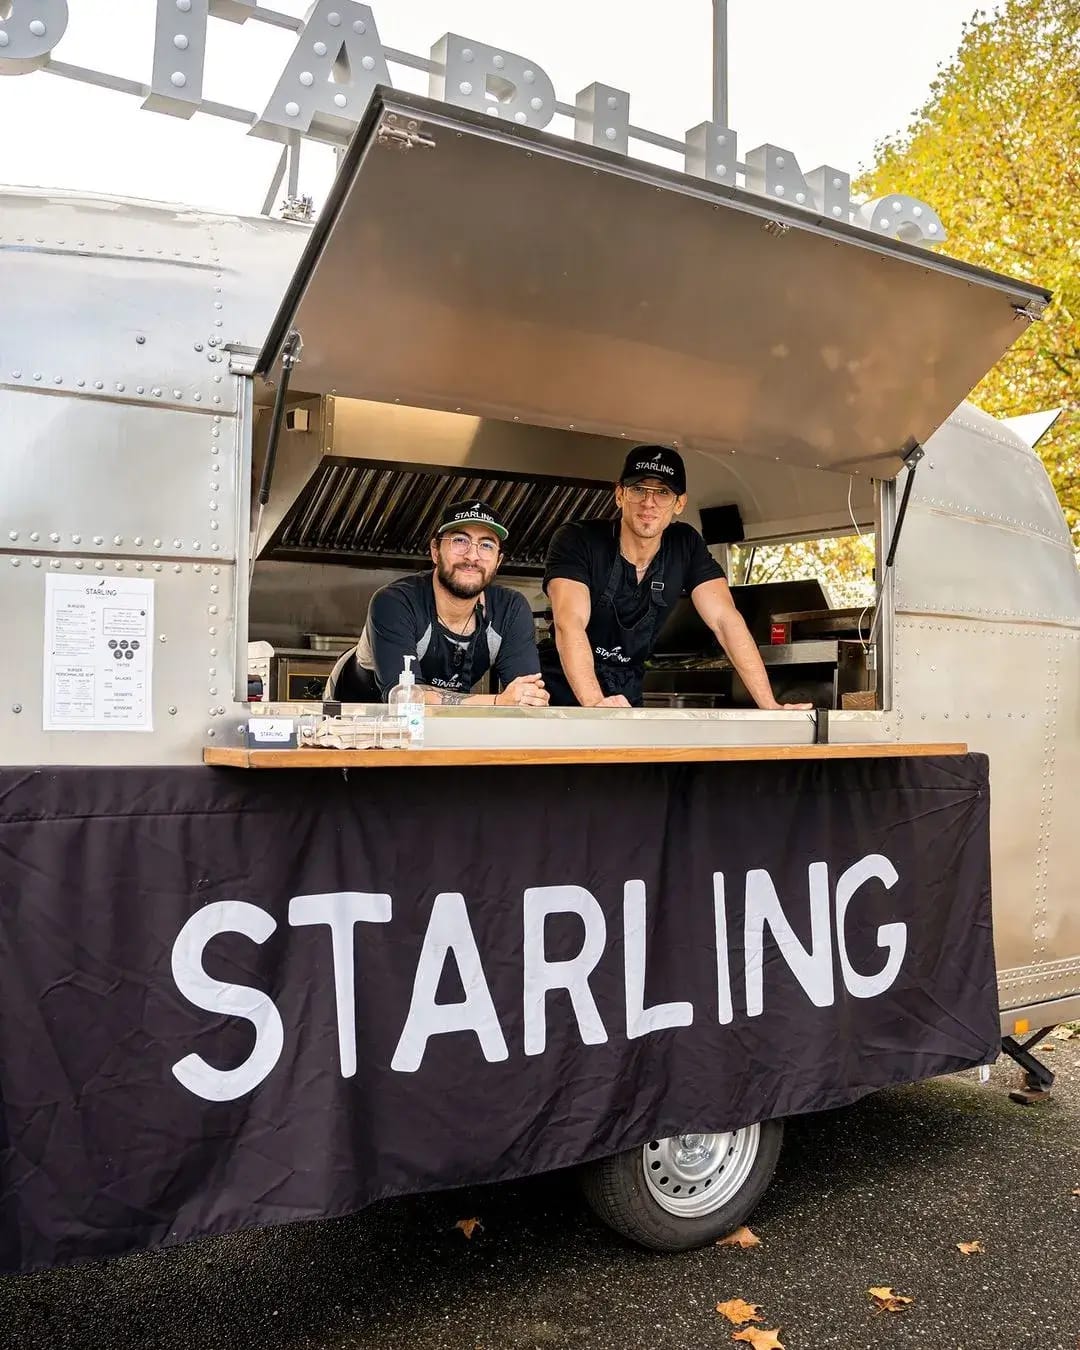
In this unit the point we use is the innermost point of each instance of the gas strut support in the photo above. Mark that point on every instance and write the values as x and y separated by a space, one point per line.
291 354
912 455
911 463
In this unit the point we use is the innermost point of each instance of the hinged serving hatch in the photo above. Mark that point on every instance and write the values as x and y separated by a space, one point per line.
468 265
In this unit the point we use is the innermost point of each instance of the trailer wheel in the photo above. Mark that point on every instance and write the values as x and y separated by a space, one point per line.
684 1191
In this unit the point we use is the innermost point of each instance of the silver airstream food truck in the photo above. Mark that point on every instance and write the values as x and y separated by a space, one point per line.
485 308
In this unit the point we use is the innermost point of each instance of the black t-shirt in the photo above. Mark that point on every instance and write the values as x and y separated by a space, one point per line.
584 551
402 621
622 633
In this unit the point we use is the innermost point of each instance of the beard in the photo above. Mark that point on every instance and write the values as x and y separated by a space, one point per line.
645 529
461 580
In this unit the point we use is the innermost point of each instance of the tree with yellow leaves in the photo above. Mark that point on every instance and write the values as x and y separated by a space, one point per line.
996 149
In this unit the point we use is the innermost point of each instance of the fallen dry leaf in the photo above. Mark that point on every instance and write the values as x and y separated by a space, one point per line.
742 1237
468 1226
760 1340
886 1299
738 1310
969 1248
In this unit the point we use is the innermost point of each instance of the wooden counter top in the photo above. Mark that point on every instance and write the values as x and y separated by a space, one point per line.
239 758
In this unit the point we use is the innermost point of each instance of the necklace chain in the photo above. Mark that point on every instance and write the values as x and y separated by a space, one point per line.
639 568
459 632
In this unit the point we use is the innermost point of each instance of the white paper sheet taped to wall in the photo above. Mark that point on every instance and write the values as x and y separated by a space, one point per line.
98 666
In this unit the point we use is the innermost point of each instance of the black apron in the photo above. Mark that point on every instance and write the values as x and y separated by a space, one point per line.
619 650
453 663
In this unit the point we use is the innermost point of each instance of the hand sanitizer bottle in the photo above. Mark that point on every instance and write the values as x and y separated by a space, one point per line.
406 702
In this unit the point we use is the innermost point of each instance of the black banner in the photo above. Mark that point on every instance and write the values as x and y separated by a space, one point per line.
230 999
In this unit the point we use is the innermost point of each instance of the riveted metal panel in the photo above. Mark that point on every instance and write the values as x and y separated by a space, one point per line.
951 564
1002 688
1038 1015
976 466
192 652
111 298
257 257
113 478
1039 982
1058 921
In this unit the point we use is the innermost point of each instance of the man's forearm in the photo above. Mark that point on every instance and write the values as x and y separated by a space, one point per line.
453 698
744 656
576 654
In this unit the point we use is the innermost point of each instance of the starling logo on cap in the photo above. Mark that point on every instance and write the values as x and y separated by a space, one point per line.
655 461
474 512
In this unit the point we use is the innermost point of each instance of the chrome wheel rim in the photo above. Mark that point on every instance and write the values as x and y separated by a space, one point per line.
689 1175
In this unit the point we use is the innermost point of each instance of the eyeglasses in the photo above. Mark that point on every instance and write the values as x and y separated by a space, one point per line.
462 543
638 493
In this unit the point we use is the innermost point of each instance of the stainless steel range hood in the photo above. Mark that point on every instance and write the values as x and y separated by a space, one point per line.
473 266
364 483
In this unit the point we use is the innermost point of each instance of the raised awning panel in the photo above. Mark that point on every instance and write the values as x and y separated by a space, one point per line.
467 265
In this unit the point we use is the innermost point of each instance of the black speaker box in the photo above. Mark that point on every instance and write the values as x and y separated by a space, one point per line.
722 525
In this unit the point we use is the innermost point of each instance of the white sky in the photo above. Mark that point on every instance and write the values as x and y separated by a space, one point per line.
826 79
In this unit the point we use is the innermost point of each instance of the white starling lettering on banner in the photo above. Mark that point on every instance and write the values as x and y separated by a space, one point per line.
449 936
338 60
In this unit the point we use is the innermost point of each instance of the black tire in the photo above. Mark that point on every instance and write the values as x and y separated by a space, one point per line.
617 1192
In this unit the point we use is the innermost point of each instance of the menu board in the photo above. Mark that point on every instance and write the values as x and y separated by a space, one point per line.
98 654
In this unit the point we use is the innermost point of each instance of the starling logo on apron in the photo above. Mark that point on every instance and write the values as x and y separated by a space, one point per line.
620 649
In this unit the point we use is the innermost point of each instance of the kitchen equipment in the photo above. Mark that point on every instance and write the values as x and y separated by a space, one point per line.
331 642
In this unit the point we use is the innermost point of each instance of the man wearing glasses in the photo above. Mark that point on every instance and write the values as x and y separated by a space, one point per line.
452 620
611 586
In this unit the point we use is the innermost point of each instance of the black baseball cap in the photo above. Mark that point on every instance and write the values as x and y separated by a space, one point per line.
655 461
473 512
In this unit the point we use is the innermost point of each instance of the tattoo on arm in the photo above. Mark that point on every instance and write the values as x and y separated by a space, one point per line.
449 698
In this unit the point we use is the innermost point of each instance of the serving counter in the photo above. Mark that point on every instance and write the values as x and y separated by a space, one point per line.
237 757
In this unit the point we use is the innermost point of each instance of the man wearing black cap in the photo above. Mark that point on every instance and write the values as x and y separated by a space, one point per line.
611 586
452 620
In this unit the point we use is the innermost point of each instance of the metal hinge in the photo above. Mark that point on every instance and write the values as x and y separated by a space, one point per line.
403 138
913 454
292 351
1033 310
298 208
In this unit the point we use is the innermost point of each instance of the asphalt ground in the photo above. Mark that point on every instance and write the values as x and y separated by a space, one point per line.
876 1194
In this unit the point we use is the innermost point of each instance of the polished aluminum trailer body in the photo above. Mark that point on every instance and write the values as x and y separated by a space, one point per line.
133 423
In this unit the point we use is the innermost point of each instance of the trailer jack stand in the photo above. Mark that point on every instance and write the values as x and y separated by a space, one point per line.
1038 1079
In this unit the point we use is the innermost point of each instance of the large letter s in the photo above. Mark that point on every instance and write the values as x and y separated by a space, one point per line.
227 1000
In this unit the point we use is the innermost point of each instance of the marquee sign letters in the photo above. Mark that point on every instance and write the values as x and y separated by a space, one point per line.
339 59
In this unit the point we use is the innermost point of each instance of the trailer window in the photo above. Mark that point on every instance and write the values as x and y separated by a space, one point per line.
844 565
837 632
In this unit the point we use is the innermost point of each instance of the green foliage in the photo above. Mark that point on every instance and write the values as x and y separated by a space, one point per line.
844 566
996 149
